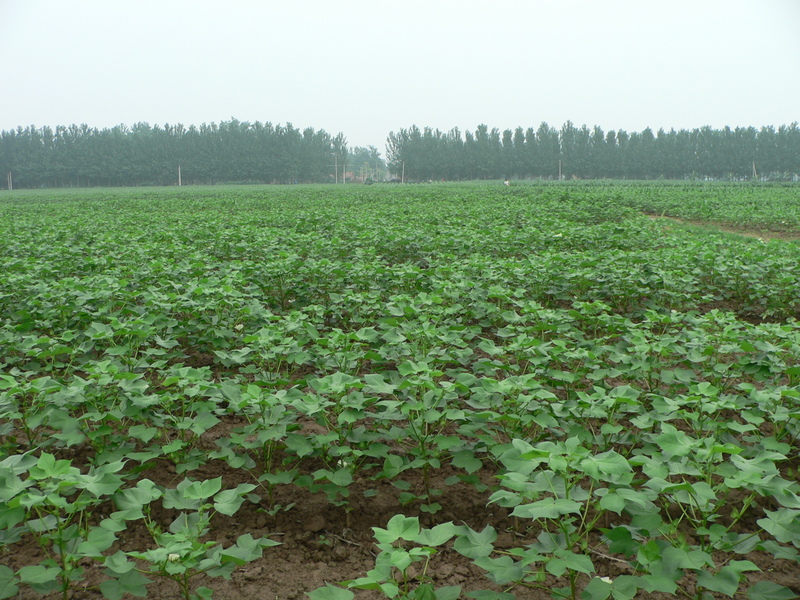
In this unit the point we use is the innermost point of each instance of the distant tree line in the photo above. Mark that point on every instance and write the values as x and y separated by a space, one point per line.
546 152
231 151
242 152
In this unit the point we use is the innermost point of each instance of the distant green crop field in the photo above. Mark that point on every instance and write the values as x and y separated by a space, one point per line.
615 386
768 206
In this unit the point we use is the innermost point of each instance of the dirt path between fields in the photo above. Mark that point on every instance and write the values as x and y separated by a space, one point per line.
760 234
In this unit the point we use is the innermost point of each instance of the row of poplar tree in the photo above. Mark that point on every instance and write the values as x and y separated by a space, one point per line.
231 151
244 152
547 152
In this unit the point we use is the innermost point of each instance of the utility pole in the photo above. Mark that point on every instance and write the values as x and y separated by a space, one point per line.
335 169
755 174
10 182
403 174
559 169
179 176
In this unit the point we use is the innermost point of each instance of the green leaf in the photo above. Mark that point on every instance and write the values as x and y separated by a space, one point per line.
612 502
448 592
176 498
549 508
38 574
392 466
376 384
625 587
423 592
725 581
398 527
608 466
783 524
228 502
173 446
119 563
342 477
597 589
490 595
678 558
10 517
247 549
8 582
407 368
502 570
764 590
674 442
473 544
465 459
104 483
400 559
299 444
622 542
575 562
438 535
131 582
202 422
778 551
130 502
97 541
200 490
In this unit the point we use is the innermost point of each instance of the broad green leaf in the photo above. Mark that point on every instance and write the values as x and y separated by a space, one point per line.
38 574
465 459
597 589
501 570
119 563
299 444
330 592
104 482
575 562
130 582
679 558
342 477
200 490
622 542
448 592
378 385
228 502
8 582
473 544
725 581
490 595
437 535
398 527
612 502
131 501
550 508
246 549
764 590
143 432
783 524
423 592
608 466
97 541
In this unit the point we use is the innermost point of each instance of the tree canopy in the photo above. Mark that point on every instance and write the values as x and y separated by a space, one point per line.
231 151
546 152
243 152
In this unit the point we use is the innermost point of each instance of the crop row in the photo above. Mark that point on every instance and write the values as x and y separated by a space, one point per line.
585 368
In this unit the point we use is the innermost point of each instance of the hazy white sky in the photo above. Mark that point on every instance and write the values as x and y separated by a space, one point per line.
368 67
